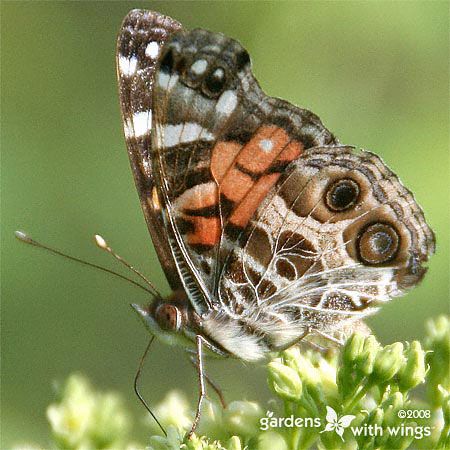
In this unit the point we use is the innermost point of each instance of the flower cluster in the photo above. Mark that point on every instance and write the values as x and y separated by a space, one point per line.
86 419
358 397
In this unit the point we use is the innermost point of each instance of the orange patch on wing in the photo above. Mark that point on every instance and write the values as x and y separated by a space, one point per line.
207 231
197 197
223 156
236 185
270 144
244 212
292 151
259 153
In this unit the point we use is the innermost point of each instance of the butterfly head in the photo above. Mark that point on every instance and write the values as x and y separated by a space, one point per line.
172 320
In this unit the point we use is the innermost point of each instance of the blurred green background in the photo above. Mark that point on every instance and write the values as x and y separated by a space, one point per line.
377 74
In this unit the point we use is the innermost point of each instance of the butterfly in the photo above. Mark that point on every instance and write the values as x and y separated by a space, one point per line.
269 230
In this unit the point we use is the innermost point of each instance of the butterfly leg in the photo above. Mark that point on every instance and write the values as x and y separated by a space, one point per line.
212 383
330 338
316 347
324 349
201 382
299 339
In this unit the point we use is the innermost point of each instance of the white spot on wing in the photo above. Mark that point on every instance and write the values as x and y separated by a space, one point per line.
183 133
227 103
167 81
142 123
191 132
266 145
152 50
171 135
211 48
199 66
127 66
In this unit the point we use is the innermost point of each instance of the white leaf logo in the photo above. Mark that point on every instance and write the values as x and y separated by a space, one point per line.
337 424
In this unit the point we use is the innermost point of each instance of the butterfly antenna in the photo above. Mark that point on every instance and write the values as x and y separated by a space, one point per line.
136 385
102 244
28 240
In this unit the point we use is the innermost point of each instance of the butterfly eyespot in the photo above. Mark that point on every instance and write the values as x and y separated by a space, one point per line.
214 82
378 243
167 63
168 317
342 195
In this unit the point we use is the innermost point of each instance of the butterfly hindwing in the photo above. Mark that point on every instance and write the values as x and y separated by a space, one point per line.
337 235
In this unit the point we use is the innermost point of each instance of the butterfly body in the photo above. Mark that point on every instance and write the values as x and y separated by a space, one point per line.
268 229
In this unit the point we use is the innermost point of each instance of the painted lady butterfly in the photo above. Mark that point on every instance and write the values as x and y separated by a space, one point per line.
268 229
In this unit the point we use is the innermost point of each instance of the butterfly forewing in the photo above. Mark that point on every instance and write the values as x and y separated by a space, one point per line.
220 145
141 38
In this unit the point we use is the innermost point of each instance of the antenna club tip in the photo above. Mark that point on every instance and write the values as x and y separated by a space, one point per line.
100 242
22 236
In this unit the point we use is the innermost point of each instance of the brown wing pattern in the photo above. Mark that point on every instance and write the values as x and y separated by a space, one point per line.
142 35
220 146
337 235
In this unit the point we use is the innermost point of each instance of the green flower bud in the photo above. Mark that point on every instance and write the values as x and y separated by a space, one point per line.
76 388
345 380
242 418
173 410
234 443
308 373
375 417
413 372
316 373
327 371
388 362
437 329
353 348
366 358
437 344
292 356
194 443
173 441
285 381
391 406
271 440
